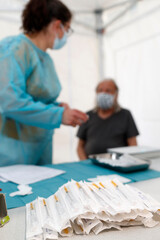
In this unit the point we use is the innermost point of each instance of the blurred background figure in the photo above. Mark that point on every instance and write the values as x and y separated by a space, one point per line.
108 126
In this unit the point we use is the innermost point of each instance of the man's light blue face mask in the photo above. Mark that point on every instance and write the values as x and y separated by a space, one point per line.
60 42
105 101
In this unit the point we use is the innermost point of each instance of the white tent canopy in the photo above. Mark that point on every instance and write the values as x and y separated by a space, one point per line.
115 38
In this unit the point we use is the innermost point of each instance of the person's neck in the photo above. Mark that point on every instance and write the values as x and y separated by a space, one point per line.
105 113
39 39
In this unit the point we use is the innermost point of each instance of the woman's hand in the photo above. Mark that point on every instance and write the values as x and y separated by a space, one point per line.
73 117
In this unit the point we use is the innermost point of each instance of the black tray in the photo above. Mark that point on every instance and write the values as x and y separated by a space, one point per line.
139 166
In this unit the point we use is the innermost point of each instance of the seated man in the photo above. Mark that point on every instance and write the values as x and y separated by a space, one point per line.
108 126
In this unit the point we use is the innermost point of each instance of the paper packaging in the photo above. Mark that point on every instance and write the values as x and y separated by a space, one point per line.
27 174
4 218
34 228
82 208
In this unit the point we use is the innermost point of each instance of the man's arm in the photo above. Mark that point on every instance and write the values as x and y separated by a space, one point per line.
132 141
80 150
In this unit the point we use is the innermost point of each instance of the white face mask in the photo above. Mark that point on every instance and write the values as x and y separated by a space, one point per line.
60 42
105 101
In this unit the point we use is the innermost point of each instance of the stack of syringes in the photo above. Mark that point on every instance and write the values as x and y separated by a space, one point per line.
83 207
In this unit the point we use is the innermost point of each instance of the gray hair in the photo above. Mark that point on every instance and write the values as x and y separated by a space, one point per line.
107 80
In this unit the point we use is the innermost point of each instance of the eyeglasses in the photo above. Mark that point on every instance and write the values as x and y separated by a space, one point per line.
69 31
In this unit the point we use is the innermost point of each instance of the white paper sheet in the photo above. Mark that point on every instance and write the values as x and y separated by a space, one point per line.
133 150
23 190
27 174
3 180
110 177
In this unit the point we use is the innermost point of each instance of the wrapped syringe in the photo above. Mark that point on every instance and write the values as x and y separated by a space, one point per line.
83 207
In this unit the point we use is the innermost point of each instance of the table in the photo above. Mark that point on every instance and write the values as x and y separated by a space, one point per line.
15 229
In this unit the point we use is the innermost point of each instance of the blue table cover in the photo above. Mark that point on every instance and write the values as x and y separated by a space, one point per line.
75 170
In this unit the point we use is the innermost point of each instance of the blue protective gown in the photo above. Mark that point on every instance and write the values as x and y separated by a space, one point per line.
29 87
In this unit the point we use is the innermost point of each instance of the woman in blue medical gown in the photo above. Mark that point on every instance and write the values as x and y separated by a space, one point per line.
29 85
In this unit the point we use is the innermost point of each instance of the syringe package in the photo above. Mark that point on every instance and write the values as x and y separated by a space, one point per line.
82 208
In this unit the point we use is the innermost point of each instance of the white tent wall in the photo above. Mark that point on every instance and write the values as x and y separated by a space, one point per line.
132 53
8 29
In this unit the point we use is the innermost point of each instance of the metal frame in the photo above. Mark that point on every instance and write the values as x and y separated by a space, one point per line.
87 26
104 9
152 11
99 28
100 40
131 5
96 11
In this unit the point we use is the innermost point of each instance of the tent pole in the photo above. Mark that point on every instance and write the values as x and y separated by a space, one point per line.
100 42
